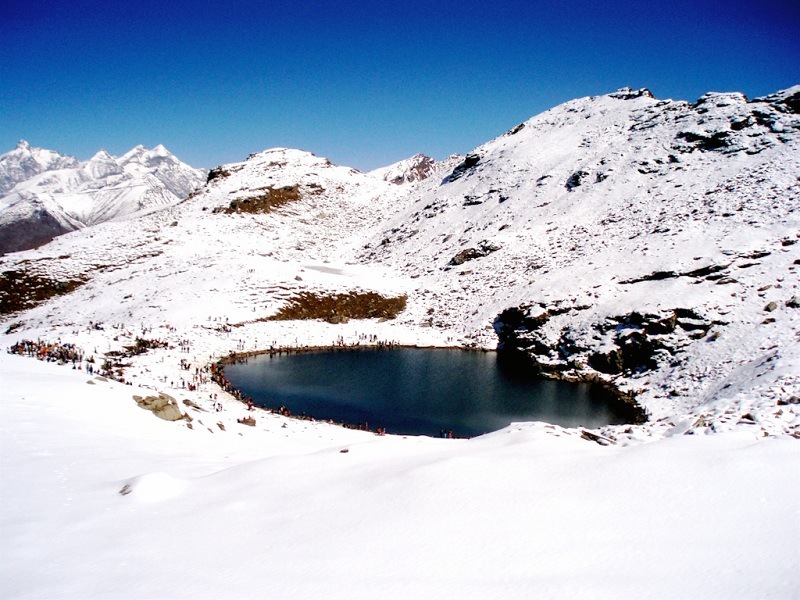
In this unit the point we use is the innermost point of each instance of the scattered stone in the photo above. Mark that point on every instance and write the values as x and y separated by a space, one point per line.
575 180
789 400
794 302
770 307
221 425
516 129
251 421
593 437
217 173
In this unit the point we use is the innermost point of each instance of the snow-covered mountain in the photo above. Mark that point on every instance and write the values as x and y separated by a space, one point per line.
47 194
649 245
23 162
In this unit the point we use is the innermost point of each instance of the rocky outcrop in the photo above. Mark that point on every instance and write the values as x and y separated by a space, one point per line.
163 406
414 169
465 167
484 249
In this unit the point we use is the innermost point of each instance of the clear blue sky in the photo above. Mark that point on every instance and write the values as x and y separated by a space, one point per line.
362 83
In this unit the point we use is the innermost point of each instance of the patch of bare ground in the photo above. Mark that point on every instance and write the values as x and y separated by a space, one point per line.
339 308
268 199
21 290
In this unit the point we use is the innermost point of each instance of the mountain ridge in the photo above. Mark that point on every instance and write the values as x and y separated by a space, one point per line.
51 194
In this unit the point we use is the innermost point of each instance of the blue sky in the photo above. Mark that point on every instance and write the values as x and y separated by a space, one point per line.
362 83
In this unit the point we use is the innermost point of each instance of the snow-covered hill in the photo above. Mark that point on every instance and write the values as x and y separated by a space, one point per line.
637 240
47 194
649 244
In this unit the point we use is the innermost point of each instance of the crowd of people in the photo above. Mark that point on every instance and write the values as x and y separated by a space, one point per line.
49 351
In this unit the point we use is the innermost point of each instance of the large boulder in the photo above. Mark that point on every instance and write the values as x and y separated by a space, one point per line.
163 406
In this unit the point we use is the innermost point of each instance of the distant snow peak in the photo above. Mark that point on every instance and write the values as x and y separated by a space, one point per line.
134 153
25 161
410 170
48 194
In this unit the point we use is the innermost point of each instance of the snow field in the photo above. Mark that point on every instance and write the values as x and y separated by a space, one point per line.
530 511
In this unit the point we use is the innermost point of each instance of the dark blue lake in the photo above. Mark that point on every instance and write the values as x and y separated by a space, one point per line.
418 391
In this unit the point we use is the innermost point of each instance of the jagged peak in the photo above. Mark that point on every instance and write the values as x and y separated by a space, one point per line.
134 153
101 155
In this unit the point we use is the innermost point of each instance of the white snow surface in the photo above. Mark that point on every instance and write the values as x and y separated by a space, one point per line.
580 206
100 499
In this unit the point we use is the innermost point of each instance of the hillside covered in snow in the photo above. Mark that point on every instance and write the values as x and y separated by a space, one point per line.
46 194
649 246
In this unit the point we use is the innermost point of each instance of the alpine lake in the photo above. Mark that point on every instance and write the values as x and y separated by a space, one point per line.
419 391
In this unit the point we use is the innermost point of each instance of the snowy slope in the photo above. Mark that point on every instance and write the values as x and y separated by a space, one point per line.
651 244
614 205
52 194
100 499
